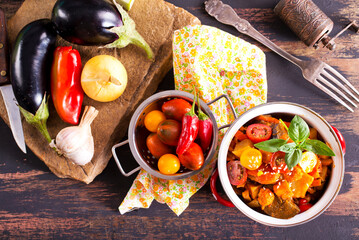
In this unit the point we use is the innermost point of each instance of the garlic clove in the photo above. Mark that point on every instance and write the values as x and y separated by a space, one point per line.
76 142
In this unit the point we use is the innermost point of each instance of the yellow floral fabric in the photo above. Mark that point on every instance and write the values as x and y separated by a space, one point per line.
213 63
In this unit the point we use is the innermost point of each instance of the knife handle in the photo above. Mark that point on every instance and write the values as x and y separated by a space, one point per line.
4 51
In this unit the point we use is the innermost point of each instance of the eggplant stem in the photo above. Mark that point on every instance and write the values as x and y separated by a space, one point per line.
128 34
43 130
39 119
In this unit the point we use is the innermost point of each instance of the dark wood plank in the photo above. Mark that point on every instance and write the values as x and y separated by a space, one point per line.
38 205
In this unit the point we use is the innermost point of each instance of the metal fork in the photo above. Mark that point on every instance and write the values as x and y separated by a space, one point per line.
315 71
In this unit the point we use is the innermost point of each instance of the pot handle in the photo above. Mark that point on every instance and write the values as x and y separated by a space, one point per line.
118 161
230 104
341 139
215 194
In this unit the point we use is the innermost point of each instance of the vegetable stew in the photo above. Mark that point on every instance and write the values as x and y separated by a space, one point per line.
279 165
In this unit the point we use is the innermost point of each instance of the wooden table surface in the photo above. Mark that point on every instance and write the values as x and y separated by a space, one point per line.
35 204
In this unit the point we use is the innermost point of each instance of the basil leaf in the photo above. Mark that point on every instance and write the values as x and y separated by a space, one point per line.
289 147
293 158
318 147
271 145
298 129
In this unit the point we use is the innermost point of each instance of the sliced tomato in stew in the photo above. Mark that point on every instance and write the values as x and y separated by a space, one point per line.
237 174
277 162
259 132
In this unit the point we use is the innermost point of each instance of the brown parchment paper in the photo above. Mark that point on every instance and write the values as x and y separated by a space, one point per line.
155 21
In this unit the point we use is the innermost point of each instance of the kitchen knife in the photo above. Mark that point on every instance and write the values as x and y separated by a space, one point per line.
6 88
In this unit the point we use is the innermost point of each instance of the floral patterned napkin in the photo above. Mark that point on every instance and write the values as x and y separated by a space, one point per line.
215 63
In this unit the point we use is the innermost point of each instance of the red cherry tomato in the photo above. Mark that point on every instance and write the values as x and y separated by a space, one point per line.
176 108
277 162
304 207
258 132
169 132
156 147
237 174
193 158
302 201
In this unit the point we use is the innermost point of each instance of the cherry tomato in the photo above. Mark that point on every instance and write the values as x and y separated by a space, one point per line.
278 164
176 108
264 175
258 132
251 158
304 207
169 132
302 201
153 119
308 162
156 147
193 158
168 164
237 174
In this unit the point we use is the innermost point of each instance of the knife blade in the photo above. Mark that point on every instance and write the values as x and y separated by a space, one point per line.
6 88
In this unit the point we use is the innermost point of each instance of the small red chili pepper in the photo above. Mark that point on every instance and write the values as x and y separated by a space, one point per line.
189 130
66 90
205 128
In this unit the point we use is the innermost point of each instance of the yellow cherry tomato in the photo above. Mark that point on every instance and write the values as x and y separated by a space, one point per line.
169 164
153 119
308 162
104 78
251 158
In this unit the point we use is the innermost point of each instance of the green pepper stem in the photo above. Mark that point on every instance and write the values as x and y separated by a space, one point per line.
39 119
128 34
192 111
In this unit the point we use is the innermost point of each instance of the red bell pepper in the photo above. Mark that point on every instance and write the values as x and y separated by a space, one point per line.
66 90
205 128
189 130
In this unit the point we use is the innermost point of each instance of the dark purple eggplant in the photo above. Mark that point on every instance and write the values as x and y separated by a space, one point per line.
93 29
30 70
96 22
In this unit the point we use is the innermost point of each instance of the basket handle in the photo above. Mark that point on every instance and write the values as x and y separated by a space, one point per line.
215 194
118 161
230 104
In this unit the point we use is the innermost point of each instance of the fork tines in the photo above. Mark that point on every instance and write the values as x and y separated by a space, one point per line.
330 79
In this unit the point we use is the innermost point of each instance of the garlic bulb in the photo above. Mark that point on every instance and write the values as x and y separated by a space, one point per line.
76 142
